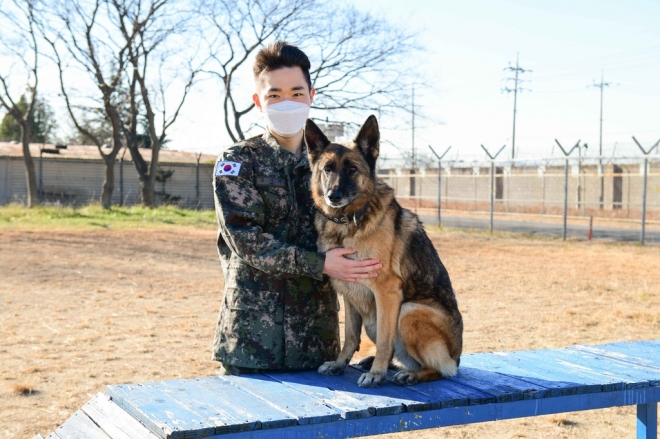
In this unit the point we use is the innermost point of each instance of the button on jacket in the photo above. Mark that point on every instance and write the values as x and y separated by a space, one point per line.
278 311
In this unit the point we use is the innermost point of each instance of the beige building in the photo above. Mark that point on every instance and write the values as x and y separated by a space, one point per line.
74 175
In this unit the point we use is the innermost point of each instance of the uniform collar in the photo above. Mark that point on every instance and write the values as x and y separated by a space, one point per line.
281 156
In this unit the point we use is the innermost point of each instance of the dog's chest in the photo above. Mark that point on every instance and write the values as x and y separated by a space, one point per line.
358 294
328 241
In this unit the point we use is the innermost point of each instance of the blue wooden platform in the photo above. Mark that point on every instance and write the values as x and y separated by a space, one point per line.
489 386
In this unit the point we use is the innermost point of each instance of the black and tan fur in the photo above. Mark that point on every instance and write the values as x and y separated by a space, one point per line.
409 311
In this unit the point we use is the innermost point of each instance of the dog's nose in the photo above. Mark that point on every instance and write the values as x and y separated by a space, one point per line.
335 196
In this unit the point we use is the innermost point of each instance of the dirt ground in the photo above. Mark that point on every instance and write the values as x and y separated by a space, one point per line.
85 308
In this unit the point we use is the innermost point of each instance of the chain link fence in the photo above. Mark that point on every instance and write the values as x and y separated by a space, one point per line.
621 192
612 192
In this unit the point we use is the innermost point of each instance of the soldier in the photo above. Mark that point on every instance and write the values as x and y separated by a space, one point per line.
279 311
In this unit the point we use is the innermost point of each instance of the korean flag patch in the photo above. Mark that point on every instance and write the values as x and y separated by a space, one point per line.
227 168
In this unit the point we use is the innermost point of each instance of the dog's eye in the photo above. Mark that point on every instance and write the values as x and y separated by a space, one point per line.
352 169
328 168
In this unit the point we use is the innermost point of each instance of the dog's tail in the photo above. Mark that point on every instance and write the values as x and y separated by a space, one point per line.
437 357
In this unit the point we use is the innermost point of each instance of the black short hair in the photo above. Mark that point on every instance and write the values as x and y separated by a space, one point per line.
278 55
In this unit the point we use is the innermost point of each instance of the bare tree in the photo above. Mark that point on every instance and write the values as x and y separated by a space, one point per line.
357 58
19 24
91 48
160 22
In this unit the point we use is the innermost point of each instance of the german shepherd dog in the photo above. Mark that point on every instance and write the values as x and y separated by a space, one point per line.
409 311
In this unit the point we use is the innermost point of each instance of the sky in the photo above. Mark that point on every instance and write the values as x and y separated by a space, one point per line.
565 44
467 46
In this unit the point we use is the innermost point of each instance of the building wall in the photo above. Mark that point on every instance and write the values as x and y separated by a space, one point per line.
530 186
80 182
5 192
75 181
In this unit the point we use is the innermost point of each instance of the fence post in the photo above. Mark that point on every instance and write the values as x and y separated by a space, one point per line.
439 193
646 166
197 200
492 181
474 173
565 198
121 181
41 180
543 189
577 145
439 182
508 185
492 193
646 171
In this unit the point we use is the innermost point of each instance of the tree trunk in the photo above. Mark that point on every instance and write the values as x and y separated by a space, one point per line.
30 175
109 182
147 192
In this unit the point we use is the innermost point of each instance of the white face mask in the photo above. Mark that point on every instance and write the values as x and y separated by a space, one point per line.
286 118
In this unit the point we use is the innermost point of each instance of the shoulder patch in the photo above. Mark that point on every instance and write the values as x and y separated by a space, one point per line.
227 168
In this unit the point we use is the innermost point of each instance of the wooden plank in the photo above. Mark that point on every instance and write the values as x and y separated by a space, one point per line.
522 370
216 397
305 408
79 426
505 388
159 412
470 387
412 401
647 347
328 389
458 415
558 360
640 376
452 394
559 380
647 421
114 420
643 354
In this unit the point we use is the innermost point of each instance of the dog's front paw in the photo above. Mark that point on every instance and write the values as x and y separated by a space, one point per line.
372 379
405 378
332 367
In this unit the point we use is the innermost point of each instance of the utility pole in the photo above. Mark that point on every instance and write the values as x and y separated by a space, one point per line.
517 70
601 85
412 167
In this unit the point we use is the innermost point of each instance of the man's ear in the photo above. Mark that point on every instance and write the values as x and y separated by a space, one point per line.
315 140
257 101
368 140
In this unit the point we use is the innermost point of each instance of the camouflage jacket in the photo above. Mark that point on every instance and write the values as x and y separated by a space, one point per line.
279 310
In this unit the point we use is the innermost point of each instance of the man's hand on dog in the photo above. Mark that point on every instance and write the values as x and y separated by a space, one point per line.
339 267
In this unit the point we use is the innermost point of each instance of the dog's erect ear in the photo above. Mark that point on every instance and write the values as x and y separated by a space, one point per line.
368 140
315 140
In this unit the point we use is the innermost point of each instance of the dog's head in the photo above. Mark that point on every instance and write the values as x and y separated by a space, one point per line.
343 175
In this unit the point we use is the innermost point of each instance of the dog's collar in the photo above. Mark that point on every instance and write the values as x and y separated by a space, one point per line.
346 219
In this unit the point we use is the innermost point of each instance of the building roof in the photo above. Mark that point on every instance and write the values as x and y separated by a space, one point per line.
85 152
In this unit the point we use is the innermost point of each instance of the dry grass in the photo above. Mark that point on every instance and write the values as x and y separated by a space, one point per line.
87 308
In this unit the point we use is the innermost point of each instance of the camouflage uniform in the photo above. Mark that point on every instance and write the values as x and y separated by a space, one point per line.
279 310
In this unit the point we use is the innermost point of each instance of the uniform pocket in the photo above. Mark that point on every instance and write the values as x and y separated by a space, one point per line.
245 299
277 201
252 328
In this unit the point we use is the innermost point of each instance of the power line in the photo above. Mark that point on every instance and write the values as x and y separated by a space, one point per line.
517 70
